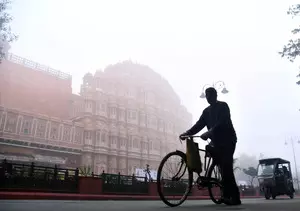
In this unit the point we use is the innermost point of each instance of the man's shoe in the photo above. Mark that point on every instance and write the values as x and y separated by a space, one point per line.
237 202
232 202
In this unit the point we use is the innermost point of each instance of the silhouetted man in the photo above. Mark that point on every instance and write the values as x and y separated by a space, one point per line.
216 117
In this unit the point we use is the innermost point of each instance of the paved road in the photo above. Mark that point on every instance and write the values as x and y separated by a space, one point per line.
248 205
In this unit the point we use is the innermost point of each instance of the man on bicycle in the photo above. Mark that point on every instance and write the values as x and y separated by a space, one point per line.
216 117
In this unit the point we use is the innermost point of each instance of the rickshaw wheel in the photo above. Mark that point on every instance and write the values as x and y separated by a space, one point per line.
268 193
292 196
267 196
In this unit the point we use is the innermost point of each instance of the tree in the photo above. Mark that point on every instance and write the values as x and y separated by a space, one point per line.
6 35
235 167
252 173
244 161
292 49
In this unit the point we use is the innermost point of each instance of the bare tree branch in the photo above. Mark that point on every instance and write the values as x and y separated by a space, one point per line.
292 49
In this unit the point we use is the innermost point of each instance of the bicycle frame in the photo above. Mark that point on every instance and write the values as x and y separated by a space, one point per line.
206 163
206 154
208 160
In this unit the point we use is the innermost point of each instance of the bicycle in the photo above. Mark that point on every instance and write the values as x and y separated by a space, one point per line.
206 181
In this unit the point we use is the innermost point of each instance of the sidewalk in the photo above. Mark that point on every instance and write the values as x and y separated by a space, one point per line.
74 196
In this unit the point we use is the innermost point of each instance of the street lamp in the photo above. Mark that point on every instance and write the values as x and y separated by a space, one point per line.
293 147
219 85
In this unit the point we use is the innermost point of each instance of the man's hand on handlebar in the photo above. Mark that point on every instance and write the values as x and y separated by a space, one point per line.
183 136
204 136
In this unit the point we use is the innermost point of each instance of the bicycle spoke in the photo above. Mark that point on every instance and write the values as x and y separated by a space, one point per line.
215 189
172 187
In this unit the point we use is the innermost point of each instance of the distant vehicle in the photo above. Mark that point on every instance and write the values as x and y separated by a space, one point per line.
275 178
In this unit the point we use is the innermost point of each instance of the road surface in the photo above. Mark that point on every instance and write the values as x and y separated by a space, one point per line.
201 205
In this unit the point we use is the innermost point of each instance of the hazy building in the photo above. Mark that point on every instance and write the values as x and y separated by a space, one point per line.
125 117
30 86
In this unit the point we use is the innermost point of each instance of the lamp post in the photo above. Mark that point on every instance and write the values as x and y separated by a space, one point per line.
293 148
219 85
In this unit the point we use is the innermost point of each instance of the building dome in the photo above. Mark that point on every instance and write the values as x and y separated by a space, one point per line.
143 74
98 73
88 76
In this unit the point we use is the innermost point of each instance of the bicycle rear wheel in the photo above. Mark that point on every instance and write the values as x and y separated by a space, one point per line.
173 185
215 189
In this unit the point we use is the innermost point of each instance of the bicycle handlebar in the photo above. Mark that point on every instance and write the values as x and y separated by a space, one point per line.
186 137
192 136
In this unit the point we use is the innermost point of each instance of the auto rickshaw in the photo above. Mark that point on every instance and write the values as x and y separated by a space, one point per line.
275 178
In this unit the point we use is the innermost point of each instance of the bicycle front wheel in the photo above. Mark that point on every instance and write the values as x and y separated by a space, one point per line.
174 187
215 189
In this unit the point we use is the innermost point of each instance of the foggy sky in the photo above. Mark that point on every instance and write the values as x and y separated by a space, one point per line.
190 43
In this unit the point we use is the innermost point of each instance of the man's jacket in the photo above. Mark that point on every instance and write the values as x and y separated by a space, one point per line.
216 118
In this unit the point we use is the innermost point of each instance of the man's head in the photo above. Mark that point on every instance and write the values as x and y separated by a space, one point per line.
211 95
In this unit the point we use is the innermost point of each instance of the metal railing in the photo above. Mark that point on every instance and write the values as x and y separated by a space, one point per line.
124 184
36 66
29 177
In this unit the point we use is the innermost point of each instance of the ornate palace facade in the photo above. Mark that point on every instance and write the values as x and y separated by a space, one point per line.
125 117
